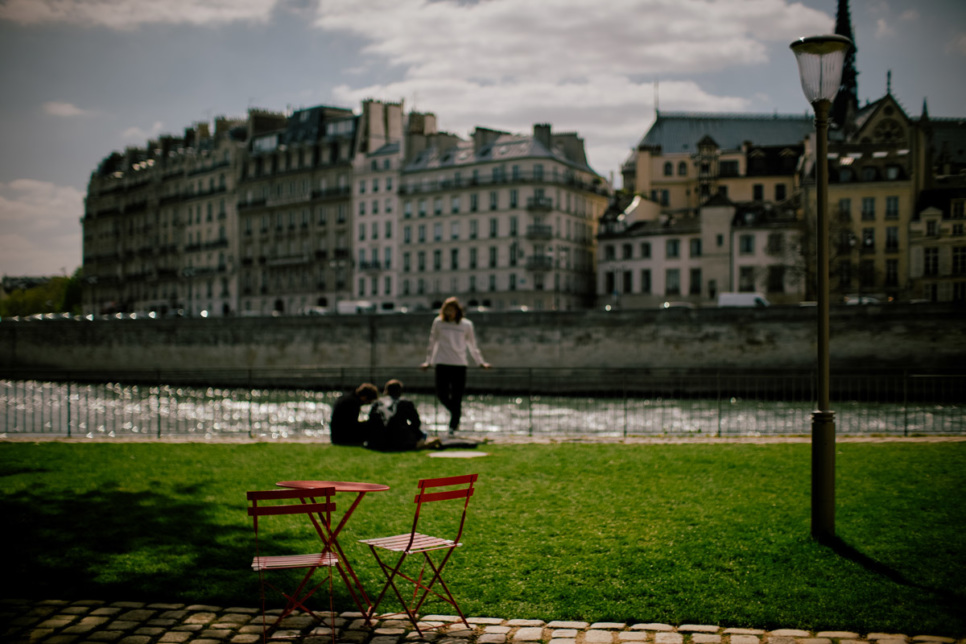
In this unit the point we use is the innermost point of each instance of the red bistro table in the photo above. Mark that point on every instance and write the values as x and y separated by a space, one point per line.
343 486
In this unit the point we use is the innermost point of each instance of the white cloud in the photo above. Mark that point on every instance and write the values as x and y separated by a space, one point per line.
61 108
139 136
587 66
129 14
40 231
909 15
883 28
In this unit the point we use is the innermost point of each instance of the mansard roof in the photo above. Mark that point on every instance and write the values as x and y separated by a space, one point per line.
505 147
676 132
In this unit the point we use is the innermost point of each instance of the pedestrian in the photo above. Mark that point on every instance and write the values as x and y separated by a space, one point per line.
395 423
450 338
345 428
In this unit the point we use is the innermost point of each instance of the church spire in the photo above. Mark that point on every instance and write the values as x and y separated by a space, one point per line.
847 100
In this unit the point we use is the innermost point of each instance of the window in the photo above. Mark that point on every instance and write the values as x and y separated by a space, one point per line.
775 244
362 232
437 232
672 282
892 239
407 235
513 282
422 207
646 250
868 208
421 261
719 240
514 197
493 200
780 191
932 228
868 240
492 256
695 248
959 260
454 206
646 281
758 192
892 273
438 206
474 202
494 227
746 244
626 282
682 169
867 273
408 210
776 279
609 253
728 168
454 230
387 258
492 282
437 260
626 251
610 283
514 227
746 279
454 259
421 234
474 229
845 209
668 169
930 259
892 208
672 248
406 262
958 208
472 258
694 286
665 198
362 187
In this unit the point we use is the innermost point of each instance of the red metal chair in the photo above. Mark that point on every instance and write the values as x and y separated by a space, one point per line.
317 505
415 542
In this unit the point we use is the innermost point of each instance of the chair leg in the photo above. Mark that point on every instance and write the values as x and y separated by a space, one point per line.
437 576
390 574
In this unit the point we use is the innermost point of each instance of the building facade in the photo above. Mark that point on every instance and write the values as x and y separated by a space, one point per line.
503 221
290 214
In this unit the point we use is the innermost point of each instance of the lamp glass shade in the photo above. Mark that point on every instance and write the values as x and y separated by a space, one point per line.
820 61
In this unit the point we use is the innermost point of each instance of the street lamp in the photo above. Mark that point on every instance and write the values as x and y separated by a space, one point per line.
820 60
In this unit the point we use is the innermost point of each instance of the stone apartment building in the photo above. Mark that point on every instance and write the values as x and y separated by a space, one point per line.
288 214
501 220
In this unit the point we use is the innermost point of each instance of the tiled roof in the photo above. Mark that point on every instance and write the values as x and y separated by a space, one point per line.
680 131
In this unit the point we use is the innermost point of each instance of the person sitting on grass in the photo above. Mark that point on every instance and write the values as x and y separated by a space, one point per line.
345 427
395 424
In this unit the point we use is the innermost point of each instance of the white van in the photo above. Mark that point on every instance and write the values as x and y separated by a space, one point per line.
742 299
352 307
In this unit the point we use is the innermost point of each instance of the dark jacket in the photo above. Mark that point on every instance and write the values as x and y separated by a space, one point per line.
394 425
345 427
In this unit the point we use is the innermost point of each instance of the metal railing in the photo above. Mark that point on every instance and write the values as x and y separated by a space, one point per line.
614 403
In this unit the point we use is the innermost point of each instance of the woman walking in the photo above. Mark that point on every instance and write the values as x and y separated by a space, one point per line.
450 337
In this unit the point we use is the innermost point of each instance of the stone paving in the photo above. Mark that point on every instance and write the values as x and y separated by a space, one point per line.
123 622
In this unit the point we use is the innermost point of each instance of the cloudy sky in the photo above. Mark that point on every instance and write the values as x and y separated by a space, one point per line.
82 78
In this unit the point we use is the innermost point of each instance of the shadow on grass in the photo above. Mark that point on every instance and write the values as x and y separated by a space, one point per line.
847 551
105 544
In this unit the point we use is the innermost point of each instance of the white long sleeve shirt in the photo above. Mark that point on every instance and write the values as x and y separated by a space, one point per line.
449 342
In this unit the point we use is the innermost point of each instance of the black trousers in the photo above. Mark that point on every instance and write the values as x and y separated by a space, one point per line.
450 384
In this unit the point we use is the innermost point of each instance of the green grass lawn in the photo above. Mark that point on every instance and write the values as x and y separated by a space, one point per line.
708 534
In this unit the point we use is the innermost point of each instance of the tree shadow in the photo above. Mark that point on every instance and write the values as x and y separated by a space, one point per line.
145 545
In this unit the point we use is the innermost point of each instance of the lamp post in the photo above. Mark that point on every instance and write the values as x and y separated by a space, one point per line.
820 60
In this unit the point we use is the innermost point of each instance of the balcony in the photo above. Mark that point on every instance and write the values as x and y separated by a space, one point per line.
539 232
539 263
541 204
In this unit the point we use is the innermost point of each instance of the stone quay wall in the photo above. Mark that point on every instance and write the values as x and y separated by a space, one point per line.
866 339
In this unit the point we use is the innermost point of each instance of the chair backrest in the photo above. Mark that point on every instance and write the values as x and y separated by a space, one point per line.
307 501
461 487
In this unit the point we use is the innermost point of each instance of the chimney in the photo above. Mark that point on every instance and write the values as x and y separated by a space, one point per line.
541 132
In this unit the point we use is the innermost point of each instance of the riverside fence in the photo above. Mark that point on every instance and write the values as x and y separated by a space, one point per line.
566 403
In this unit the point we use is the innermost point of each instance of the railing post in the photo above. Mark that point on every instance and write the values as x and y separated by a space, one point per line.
68 406
530 399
